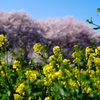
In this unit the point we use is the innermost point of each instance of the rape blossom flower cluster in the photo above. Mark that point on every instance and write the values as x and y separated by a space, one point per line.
53 72
16 65
3 40
20 91
32 75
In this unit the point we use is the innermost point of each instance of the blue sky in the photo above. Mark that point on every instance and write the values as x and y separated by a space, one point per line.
42 9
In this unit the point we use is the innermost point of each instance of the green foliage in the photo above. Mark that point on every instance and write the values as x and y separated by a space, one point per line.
98 9
91 22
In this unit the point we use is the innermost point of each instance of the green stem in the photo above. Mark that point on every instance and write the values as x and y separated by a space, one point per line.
80 90
79 72
7 57
10 87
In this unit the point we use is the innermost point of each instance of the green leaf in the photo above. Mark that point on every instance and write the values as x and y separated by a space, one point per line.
71 49
77 91
40 98
93 41
32 61
99 37
20 50
81 63
91 95
0 54
98 9
29 91
72 65
58 86
91 21
14 77
37 94
56 95
80 47
87 20
11 57
9 93
61 91
96 28
11 52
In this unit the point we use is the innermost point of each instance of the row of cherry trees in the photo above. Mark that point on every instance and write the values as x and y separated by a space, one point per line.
23 32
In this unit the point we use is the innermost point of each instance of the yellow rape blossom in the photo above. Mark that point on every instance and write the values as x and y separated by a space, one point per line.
75 46
64 82
29 98
89 62
20 91
2 72
57 65
59 73
83 72
76 54
2 40
87 89
2 64
97 61
78 83
47 98
72 83
31 75
47 68
52 63
52 57
88 50
20 88
92 56
45 81
73 55
56 50
59 57
68 73
65 61
97 50
17 97
64 97
16 65
36 46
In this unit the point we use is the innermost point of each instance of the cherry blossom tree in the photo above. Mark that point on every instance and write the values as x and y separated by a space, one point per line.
23 32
